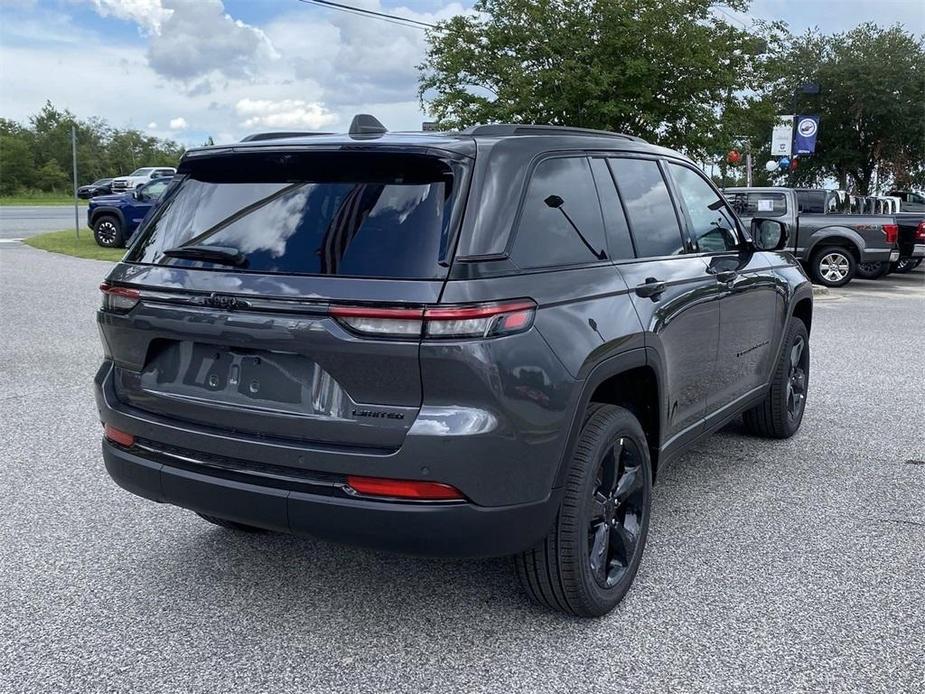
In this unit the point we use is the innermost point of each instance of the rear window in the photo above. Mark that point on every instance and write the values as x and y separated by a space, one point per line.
357 215
757 204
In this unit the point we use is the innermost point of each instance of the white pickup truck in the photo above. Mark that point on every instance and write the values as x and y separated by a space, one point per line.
139 177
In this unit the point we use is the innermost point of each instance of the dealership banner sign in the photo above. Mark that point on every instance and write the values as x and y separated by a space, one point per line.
782 137
805 136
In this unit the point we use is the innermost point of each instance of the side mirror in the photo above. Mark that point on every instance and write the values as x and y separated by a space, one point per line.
768 234
137 194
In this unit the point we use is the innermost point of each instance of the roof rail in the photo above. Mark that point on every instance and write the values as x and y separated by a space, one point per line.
279 135
506 129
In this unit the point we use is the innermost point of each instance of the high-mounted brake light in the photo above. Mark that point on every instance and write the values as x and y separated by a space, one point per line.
891 231
119 299
118 436
439 322
404 489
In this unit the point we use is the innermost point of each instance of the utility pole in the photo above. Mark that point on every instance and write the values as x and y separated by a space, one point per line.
74 160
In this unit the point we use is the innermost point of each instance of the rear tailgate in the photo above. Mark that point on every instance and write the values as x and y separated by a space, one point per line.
249 346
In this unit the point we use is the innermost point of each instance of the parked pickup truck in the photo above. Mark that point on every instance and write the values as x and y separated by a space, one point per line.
911 241
830 245
114 218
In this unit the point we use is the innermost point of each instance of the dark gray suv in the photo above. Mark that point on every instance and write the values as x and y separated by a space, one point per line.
477 343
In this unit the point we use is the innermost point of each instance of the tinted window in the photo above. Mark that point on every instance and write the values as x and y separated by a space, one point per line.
710 222
757 204
648 206
560 190
354 215
812 201
619 242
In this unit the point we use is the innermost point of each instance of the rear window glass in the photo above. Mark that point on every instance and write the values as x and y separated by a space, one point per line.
757 204
385 216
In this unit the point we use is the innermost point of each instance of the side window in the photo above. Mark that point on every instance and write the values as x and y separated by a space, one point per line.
649 208
711 225
560 208
152 191
619 241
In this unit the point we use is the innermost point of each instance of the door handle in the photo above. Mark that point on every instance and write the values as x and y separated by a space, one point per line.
650 289
724 276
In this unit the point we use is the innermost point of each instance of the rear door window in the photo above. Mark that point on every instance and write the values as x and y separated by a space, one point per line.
619 241
649 207
757 204
560 207
323 214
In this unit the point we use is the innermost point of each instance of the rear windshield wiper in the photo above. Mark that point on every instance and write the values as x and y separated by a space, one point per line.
226 255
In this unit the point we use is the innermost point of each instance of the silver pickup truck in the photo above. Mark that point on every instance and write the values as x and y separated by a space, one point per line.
831 246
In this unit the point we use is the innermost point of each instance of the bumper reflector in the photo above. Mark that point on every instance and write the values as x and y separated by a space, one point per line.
118 436
403 489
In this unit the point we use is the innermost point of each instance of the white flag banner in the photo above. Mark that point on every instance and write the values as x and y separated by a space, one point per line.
782 137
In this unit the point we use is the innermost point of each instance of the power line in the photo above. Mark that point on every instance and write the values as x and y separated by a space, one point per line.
363 12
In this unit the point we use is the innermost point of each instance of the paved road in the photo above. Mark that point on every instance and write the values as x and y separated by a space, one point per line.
771 566
20 221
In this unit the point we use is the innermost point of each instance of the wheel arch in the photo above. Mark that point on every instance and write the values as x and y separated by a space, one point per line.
842 238
803 309
108 211
627 380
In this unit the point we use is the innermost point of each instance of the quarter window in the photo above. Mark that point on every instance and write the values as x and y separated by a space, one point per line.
649 207
560 208
710 223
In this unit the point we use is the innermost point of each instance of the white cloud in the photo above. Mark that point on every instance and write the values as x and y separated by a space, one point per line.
178 123
148 14
152 126
283 113
199 38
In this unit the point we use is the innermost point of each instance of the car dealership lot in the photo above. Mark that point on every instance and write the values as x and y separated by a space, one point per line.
771 566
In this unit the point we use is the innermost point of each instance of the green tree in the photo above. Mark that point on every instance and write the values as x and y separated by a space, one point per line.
659 69
872 91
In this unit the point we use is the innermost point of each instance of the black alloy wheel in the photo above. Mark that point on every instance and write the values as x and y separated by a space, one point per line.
108 232
797 378
589 558
617 508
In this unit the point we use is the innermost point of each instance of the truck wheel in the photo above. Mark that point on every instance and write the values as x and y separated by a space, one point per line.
905 265
781 413
107 230
588 560
832 266
872 271
232 525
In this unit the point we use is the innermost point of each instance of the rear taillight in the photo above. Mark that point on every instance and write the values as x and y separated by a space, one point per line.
404 489
118 299
920 232
891 231
118 436
439 322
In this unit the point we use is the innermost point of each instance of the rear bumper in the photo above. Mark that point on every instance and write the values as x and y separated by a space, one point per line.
918 250
456 529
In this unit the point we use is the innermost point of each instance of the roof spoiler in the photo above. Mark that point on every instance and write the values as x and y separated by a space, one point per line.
254 137
365 124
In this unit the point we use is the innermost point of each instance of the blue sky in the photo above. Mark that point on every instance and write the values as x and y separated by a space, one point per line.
189 69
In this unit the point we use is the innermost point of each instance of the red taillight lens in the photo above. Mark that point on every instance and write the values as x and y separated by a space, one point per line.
118 436
119 299
439 322
404 489
920 232
891 231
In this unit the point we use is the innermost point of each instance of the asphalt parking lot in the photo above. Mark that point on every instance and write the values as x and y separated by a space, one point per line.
771 566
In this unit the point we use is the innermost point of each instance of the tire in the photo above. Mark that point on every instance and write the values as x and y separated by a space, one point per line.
781 413
872 271
832 266
107 231
904 265
231 525
605 510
